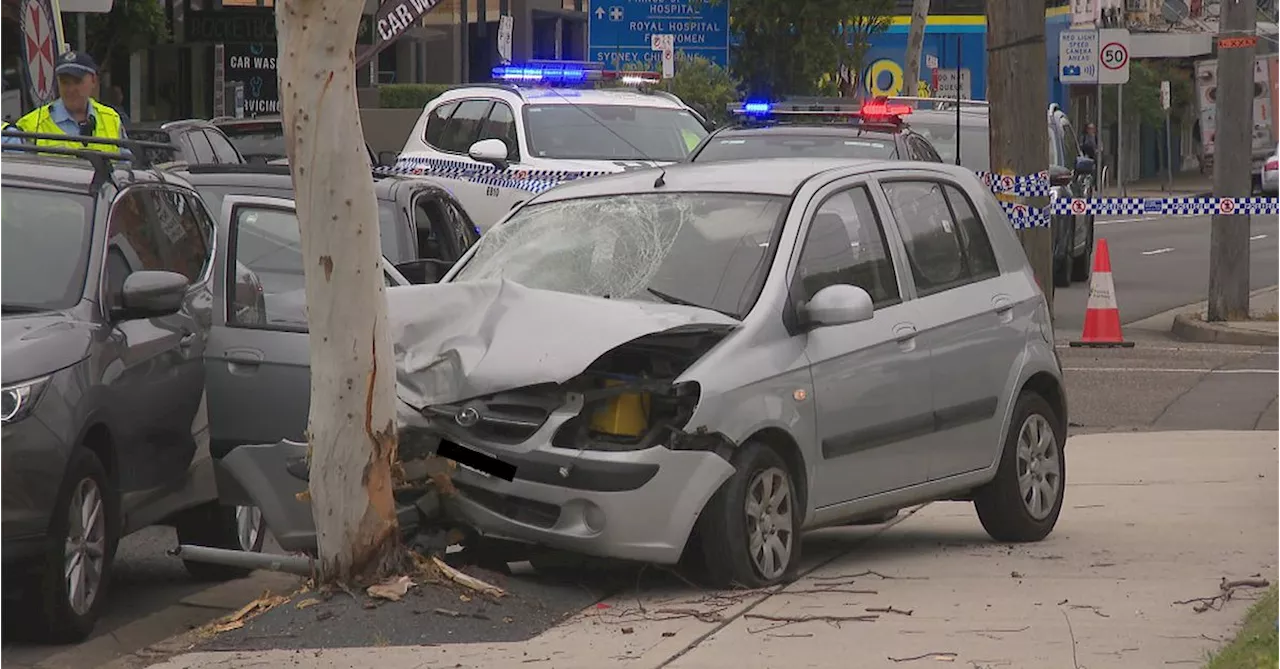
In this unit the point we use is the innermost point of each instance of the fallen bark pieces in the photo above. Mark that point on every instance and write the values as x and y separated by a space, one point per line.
391 589
466 580
236 619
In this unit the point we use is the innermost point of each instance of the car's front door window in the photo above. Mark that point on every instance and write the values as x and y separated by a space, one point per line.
846 245
134 242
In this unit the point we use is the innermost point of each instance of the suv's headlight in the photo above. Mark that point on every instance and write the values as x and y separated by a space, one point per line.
17 400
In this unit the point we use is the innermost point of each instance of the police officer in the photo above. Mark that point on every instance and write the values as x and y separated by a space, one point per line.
75 112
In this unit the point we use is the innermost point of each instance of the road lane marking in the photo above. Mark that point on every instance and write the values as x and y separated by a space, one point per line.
1128 220
1172 370
1157 252
1257 237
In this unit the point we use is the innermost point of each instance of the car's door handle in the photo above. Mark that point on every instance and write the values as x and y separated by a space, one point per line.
904 332
243 361
1002 305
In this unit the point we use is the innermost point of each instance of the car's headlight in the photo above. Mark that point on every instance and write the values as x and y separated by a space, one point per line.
17 400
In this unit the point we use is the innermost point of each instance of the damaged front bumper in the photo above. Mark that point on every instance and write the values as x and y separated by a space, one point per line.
630 504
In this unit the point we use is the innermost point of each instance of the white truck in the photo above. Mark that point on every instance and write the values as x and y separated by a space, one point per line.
1264 108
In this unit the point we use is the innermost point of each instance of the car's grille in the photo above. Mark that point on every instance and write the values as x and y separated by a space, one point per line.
504 418
519 509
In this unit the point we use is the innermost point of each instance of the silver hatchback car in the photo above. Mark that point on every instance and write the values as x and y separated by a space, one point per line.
706 360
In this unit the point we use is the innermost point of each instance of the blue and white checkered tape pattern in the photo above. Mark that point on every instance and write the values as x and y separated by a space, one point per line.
1029 185
533 181
1169 206
1022 216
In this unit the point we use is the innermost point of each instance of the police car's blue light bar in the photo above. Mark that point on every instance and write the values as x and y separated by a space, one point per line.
563 72
878 109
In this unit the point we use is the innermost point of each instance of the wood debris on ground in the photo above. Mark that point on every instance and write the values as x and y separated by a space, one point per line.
391 589
466 580
237 619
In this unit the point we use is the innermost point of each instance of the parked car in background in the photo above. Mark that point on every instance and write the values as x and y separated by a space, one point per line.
199 142
1071 173
109 278
261 139
1271 174
419 219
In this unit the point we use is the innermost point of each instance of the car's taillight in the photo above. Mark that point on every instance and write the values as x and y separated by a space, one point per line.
1273 164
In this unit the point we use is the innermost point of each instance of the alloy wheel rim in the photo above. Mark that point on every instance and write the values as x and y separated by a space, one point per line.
1039 466
85 552
769 531
249 527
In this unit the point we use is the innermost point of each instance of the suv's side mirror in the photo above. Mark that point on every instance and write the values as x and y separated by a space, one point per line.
1059 175
1085 165
492 151
424 270
151 294
387 158
837 304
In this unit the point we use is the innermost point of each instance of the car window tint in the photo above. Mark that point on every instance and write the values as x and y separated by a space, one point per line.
1070 144
979 257
931 236
846 245
133 242
184 245
437 121
501 124
201 150
461 227
464 126
428 221
924 150
222 149
269 288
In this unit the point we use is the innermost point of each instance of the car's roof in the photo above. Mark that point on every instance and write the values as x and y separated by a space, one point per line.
549 95
248 120
771 176
68 173
812 130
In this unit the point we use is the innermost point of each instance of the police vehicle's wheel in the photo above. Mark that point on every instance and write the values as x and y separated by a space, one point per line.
69 590
749 531
1023 501
219 526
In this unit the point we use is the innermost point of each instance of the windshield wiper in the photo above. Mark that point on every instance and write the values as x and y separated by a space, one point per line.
672 299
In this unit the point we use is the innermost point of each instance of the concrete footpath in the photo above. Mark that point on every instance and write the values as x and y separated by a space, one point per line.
1150 520
1260 330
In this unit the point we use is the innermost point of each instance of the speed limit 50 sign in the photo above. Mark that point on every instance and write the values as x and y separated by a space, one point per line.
1113 56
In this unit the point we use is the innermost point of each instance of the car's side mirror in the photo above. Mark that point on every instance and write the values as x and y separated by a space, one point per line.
1059 175
151 294
1085 165
837 304
424 270
492 151
388 158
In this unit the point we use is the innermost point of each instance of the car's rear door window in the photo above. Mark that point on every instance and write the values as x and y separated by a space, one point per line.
945 249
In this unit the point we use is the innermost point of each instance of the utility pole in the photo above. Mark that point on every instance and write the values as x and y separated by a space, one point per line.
1232 160
915 45
1017 88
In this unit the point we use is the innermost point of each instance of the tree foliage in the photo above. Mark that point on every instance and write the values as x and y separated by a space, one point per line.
1142 93
131 25
786 46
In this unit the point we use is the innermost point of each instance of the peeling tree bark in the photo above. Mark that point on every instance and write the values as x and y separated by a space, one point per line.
351 425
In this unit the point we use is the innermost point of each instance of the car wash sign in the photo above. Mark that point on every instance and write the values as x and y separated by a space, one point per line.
393 19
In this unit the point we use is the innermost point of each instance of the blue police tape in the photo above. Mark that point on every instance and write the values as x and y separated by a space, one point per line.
1167 206
533 181
1031 185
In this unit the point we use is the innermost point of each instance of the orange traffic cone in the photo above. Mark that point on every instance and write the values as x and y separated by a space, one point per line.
1102 314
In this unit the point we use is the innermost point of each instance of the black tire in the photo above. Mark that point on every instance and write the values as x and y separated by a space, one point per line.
214 525
1000 504
47 610
1082 266
723 529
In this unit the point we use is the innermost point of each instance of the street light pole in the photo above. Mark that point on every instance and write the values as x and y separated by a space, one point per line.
1019 139
1232 160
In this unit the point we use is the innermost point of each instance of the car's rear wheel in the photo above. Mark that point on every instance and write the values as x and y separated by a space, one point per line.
219 526
69 590
749 532
1024 499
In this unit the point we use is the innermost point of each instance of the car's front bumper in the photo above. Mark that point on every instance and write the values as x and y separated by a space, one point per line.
633 505
33 461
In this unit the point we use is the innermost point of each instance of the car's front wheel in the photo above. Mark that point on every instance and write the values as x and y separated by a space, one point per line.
749 532
69 590
1024 499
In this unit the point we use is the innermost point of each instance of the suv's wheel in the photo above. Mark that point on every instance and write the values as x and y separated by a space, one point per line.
1023 501
69 590
749 531
220 526
1081 266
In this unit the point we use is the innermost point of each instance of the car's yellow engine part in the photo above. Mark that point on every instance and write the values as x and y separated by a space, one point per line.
625 415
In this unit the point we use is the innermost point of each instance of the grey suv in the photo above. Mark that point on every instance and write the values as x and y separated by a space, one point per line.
108 283
709 359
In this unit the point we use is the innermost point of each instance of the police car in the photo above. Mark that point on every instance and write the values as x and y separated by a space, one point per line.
816 128
543 123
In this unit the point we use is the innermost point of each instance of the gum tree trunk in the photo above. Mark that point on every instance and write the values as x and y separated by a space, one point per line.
351 427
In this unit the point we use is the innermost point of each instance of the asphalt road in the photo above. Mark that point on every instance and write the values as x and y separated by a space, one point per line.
1161 263
1158 264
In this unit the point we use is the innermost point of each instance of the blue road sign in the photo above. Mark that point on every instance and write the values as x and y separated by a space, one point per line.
619 31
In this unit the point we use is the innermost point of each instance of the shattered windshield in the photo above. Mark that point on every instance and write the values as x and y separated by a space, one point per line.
702 249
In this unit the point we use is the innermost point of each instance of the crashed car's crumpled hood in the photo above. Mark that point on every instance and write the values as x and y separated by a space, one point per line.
455 341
